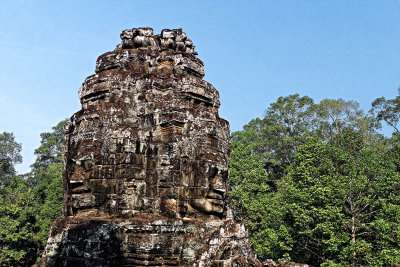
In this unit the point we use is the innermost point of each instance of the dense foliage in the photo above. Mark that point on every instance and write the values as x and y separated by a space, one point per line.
28 203
316 183
9 155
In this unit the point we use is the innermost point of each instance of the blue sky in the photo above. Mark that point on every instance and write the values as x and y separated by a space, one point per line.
254 52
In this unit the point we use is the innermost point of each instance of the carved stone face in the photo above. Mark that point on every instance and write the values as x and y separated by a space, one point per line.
213 202
148 138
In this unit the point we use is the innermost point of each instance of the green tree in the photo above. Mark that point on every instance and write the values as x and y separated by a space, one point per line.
260 155
51 144
47 181
9 156
318 221
336 196
387 110
49 152
290 120
28 206
254 203
48 201
18 245
332 115
276 137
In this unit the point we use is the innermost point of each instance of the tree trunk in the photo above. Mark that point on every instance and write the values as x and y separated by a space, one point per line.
353 239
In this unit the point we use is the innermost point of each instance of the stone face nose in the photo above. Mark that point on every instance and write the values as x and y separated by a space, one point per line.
218 184
146 163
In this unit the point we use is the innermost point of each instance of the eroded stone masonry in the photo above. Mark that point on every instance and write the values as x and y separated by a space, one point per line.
146 164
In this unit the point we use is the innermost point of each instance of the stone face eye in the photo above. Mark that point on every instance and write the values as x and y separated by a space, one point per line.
87 165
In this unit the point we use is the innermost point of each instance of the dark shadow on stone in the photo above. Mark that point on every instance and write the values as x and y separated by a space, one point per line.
91 244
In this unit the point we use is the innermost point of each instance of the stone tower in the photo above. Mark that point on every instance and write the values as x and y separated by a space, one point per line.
146 164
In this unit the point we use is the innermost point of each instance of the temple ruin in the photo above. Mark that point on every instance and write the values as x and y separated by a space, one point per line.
146 164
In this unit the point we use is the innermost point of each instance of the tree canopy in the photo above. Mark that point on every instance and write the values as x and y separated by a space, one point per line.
29 203
316 183
9 155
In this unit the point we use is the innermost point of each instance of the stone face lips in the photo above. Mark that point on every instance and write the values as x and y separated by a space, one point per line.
146 163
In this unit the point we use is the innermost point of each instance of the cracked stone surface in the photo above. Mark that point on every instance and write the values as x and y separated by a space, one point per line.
146 164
